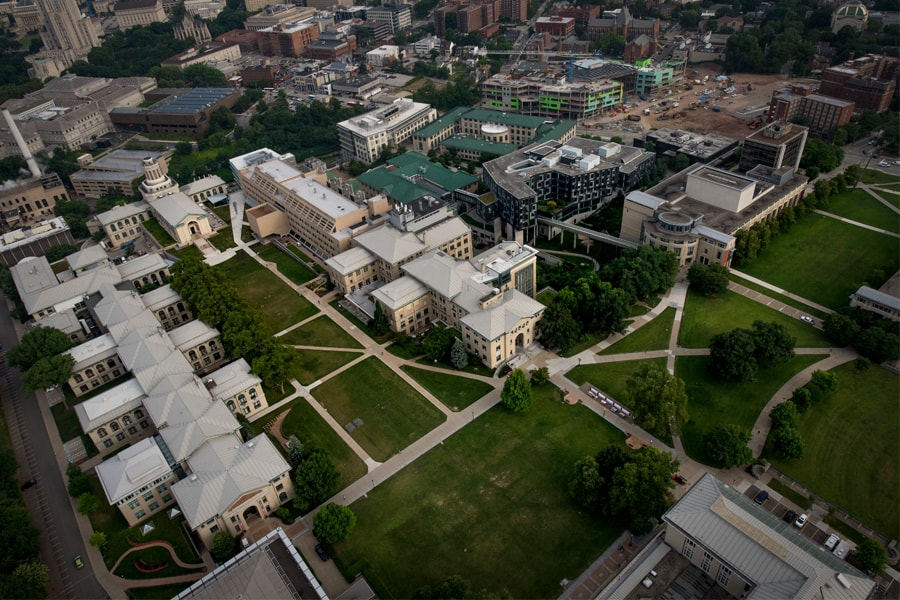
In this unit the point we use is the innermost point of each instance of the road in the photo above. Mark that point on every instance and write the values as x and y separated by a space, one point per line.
48 501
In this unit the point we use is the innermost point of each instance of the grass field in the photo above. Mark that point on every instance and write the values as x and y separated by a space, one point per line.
187 252
611 377
155 229
489 504
858 205
546 297
873 176
313 365
776 296
455 392
320 332
279 305
652 336
287 265
795 261
314 432
705 317
713 402
393 413
891 198
851 456
223 240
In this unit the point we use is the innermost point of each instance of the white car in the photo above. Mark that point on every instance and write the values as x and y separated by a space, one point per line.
807 319
801 521
884 163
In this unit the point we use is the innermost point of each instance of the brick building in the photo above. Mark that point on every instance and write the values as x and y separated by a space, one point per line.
869 81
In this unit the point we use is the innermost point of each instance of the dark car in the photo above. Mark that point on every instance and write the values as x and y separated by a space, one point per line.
320 550
28 484
680 479
789 516
761 497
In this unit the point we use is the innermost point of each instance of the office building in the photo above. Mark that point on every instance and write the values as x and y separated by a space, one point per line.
869 81
68 35
557 99
699 148
287 39
134 13
114 173
821 113
363 138
278 14
777 145
398 17
26 202
34 240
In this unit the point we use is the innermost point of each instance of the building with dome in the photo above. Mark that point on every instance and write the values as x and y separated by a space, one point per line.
177 214
853 14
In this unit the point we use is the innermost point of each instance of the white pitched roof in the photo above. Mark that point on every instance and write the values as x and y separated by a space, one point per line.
160 297
87 257
776 557
443 273
502 317
151 375
191 334
142 265
232 378
93 348
444 232
110 404
144 347
120 212
390 245
400 292
176 208
185 439
350 260
40 290
65 321
131 469
204 183
118 306
223 471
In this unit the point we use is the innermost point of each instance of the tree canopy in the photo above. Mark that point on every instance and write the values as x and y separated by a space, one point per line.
657 399
334 523
38 343
316 479
731 355
516 395
727 445
871 556
709 280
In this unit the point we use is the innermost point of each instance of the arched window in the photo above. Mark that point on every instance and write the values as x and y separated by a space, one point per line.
162 315
181 306
172 311
242 399
114 426
138 414
126 420
253 393
231 405
89 372
192 355
111 364
102 432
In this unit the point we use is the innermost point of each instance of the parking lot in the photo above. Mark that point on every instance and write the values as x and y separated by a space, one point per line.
779 509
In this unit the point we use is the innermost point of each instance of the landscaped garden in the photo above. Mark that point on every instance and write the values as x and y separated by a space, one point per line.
713 401
156 230
850 455
490 504
705 317
651 336
311 429
313 365
825 260
287 265
279 305
454 391
858 205
393 414
321 331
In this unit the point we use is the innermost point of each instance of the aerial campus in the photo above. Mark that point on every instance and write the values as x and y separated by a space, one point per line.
425 300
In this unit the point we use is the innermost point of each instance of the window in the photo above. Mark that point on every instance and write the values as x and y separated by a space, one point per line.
144 424
167 498
252 394
107 443
132 430
242 399
724 574
102 432
120 436
279 487
78 378
138 414
111 364
126 420
148 496
707 560
114 426
153 506
161 488
688 549
214 529
134 504
231 405
140 514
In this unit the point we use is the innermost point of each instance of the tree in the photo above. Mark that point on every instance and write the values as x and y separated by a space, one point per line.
453 587
786 442
276 364
223 546
200 75
641 489
773 343
743 54
38 343
557 328
31 579
18 537
709 280
821 384
334 523
657 399
458 355
585 483
79 483
784 415
380 321
48 371
296 451
437 343
87 503
840 329
732 355
316 480
98 539
871 556
802 399
727 446
516 395
540 376
877 345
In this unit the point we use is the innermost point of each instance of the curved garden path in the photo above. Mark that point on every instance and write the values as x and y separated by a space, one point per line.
158 544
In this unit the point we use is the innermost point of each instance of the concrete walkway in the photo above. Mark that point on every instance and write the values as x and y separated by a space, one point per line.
857 223
780 291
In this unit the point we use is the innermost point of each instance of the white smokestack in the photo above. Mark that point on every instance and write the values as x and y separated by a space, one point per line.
23 147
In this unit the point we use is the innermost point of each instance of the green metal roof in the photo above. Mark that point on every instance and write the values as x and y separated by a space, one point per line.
467 143
441 123
485 115
395 177
552 131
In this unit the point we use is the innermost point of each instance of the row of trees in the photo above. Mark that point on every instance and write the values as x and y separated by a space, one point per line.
633 487
872 336
597 302
658 399
244 333
22 575
739 353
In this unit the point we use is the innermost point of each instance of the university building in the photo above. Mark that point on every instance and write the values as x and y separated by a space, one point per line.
557 99
363 138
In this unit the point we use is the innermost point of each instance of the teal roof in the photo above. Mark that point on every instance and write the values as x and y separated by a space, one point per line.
484 115
467 143
442 122
552 131
395 177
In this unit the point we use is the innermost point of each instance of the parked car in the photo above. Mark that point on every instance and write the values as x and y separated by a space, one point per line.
79 563
320 550
832 542
801 521
789 516
761 497
28 484
807 319
678 478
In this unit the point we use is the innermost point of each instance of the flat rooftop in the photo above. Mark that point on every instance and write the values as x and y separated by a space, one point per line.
192 102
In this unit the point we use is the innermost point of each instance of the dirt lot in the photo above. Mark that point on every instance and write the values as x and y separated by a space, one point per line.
735 113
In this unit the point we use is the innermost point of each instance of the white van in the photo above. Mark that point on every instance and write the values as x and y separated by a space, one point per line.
832 542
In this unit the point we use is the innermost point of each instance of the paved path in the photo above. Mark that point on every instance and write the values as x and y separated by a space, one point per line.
856 223
780 291
872 188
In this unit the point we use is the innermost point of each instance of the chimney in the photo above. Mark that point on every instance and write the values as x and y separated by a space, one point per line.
23 147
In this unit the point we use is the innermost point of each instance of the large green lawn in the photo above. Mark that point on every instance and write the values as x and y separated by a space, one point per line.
891 198
611 377
489 504
289 266
651 336
454 391
825 260
279 305
320 332
313 365
713 402
850 454
314 432
705 317
859 205
875 176
393 413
